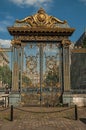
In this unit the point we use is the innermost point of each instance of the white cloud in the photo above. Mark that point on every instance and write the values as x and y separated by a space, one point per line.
5 43
84 1
35 3
5 23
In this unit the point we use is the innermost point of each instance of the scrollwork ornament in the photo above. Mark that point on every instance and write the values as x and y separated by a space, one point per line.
40 19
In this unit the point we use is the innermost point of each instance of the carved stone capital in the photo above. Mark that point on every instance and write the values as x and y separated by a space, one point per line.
15 42
66 42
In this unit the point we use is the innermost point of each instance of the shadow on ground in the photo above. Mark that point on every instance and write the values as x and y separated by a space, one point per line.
83 120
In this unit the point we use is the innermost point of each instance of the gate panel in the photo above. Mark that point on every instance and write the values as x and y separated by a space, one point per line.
41 77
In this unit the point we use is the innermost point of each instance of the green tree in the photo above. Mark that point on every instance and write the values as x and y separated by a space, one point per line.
6 75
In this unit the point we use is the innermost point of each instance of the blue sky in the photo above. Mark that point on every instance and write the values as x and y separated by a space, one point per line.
74 11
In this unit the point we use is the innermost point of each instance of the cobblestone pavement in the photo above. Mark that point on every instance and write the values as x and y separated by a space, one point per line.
44 121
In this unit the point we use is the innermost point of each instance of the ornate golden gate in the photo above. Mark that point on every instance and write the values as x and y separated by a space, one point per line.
41 61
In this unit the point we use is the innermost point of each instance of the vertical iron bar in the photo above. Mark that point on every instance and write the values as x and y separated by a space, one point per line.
19 69
11 67
41 72
22 54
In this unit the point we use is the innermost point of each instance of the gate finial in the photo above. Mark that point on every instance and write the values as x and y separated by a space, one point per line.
41 10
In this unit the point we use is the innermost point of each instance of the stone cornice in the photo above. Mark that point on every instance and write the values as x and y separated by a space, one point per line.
40 31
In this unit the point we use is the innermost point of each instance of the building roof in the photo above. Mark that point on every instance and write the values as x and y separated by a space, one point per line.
79 42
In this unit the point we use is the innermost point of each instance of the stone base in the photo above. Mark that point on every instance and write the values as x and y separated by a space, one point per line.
68 99
72 99
14 99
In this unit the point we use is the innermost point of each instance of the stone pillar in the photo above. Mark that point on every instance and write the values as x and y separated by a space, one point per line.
66 65
17 66
15 71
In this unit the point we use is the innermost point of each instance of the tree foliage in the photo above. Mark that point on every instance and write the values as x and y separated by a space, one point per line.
6 75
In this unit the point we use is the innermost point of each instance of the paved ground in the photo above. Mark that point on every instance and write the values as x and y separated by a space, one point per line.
45 119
